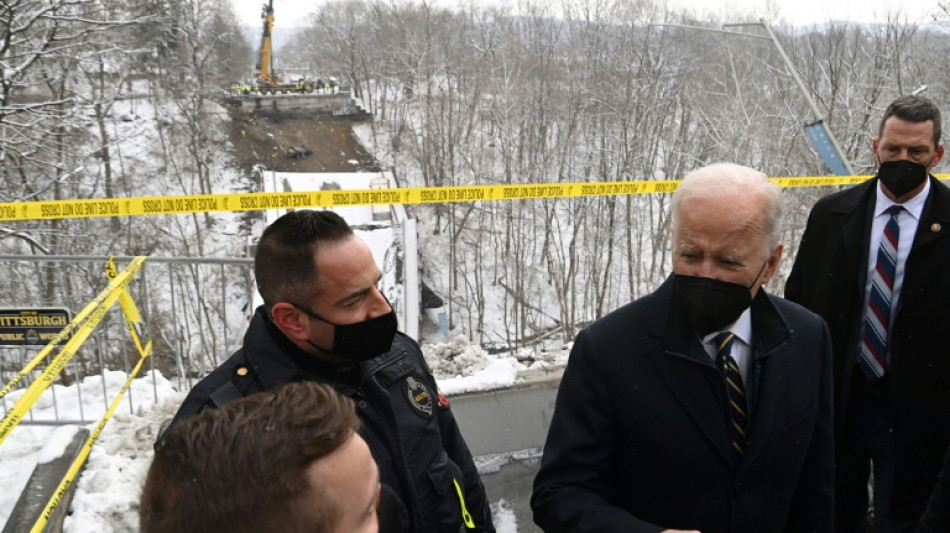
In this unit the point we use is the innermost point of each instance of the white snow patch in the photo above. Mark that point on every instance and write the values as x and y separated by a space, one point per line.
499 374
491 463
504 517
55 446
458 357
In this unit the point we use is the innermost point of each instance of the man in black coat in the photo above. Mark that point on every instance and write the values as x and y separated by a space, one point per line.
705 405
324 319
892 365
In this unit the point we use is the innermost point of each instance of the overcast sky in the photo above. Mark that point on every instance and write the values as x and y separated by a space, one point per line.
290 13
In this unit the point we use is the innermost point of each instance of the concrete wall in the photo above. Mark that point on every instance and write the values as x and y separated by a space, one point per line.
506 420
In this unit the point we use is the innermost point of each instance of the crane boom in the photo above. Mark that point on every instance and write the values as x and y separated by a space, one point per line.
265 67
267 81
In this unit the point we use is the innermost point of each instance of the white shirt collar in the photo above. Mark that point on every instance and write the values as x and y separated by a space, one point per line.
741 328
914 206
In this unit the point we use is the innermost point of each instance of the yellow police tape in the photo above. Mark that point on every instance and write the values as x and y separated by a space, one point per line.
165 205
80 460
132 316
67 331
129 310
36 389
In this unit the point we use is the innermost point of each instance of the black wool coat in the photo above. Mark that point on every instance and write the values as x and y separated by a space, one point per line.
829 277
639 440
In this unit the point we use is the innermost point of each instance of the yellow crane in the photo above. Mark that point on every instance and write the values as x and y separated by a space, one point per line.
267 81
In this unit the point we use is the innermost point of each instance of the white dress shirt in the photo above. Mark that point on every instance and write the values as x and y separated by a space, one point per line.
741 345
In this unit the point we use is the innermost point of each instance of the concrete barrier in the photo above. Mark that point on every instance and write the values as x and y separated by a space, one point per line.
340 104
499 424
507 420
40 487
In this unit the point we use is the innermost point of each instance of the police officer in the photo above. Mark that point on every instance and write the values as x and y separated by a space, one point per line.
324 319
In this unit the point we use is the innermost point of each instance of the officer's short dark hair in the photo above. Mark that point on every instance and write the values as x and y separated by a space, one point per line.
242 468
284 262
913 108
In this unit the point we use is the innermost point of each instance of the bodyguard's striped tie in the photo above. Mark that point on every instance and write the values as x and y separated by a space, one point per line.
878 314
738 417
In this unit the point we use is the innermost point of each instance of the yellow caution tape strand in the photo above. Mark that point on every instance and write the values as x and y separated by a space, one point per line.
165 205
80 460
129 310
36 389
66 332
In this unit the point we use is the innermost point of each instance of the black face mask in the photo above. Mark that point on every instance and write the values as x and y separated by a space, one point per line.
361 341
712 304
901 177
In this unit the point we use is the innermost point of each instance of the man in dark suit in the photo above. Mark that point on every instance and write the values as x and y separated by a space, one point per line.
874 261
705 405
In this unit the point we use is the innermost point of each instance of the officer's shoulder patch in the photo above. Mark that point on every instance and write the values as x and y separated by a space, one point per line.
419 396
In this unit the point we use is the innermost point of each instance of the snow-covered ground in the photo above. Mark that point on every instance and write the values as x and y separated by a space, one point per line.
106 498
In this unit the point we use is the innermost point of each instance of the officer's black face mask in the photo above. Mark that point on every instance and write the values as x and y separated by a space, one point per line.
712 304
360 341
901 177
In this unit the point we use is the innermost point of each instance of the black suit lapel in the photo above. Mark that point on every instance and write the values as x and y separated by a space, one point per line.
690 375
694 388
935 219
922 266
855 212
766 377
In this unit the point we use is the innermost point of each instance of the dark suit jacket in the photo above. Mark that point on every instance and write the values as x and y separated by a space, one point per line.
829 276
639 439
936 519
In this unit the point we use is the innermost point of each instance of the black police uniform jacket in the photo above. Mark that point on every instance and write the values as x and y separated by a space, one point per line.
640 441
408 426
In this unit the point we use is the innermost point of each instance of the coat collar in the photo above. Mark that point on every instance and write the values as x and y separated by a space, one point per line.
857 201
854 206
768 327
276 360
682 348
935 222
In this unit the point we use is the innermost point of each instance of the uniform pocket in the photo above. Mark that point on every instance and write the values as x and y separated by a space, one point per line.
443 473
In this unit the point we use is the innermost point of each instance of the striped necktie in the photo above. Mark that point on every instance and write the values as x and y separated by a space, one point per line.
738 419
877 318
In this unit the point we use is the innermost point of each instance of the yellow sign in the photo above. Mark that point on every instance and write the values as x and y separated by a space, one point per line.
19 409
20 327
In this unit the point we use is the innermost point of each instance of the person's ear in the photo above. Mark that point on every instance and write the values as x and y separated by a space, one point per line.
290 320
938 155
771 265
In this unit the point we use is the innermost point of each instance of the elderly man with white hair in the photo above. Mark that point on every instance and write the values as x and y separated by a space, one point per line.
706 405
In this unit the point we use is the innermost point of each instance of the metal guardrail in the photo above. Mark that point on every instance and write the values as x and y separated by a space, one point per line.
195 311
